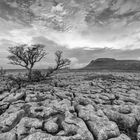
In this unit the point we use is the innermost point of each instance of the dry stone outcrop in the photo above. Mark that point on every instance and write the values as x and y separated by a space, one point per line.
89 106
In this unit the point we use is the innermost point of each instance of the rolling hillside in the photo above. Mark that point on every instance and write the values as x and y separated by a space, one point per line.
113 64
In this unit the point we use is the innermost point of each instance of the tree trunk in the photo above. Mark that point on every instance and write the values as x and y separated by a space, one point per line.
30 74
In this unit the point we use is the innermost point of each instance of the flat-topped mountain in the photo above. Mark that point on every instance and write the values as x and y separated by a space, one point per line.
113 64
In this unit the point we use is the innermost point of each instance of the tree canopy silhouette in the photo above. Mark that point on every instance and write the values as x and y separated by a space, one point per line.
26 56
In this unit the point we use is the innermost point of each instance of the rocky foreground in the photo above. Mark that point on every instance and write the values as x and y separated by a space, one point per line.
74 106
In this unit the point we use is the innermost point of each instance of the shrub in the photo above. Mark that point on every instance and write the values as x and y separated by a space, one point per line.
17 81
2 72
37 76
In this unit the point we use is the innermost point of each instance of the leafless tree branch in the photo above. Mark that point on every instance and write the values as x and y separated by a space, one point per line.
26 56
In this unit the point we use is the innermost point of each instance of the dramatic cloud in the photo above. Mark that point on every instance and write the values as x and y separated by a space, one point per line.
91 28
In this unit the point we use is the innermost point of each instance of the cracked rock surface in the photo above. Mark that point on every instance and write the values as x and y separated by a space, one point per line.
74 106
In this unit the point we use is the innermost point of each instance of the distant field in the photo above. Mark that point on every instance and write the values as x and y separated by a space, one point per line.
11 71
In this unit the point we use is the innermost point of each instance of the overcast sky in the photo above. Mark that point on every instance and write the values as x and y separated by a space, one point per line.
83 29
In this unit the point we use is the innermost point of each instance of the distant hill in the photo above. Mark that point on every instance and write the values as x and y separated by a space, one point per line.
113 64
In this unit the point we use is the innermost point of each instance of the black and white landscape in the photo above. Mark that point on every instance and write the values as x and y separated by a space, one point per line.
70 70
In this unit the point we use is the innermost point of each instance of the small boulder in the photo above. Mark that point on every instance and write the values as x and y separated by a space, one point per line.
51 127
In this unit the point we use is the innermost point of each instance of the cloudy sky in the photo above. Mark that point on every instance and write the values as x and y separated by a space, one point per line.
83 29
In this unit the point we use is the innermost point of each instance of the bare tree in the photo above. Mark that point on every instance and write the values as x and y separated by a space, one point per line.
60 63
26 56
